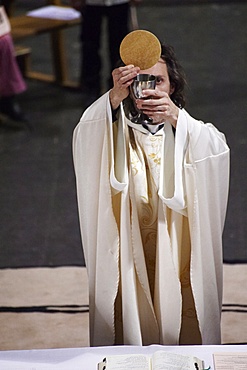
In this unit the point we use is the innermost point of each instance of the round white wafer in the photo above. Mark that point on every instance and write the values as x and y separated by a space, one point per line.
140 48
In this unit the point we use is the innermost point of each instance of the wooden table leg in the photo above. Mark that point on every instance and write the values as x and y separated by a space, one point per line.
60 59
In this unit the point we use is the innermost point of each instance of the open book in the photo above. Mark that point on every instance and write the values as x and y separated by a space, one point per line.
160 360
230 360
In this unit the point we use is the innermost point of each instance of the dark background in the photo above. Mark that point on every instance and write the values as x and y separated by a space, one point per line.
39 220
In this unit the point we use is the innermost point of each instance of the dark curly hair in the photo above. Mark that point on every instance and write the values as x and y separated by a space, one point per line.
176 74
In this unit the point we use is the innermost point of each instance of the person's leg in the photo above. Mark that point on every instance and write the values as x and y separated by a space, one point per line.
11 80
118 27
90 58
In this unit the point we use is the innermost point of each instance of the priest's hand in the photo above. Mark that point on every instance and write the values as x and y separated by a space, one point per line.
122 79
158 105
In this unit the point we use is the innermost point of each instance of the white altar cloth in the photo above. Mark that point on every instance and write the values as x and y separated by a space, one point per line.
87 358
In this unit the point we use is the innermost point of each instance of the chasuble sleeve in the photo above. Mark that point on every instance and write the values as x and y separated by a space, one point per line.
91 153
206 180
193 143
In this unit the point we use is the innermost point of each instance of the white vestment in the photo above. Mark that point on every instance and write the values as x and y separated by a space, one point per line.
152 211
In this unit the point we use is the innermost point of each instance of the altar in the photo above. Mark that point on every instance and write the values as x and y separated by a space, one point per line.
87 358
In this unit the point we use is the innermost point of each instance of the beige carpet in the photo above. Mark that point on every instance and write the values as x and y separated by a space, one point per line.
48 307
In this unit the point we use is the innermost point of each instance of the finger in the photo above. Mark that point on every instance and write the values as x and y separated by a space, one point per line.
154 109
165 109
127 72
126 77
154 93
152 103
123 71
128 67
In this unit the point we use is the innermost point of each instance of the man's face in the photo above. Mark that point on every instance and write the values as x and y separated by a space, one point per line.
159 70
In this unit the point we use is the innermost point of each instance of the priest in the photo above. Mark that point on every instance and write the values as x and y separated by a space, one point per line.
152 200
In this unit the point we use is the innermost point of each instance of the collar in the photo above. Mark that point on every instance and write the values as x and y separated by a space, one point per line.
147 128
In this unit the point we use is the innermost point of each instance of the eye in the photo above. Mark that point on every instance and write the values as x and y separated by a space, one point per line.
159 80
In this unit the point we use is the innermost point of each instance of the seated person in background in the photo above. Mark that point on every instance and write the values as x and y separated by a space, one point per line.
11 80
152 203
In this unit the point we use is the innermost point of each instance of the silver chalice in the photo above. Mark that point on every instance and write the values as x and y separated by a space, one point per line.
141 82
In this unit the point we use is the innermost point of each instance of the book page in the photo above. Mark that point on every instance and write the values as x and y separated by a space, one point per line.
130 362
230 360
167 360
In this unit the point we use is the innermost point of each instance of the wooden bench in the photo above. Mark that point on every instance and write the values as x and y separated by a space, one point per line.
23 56
23 26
